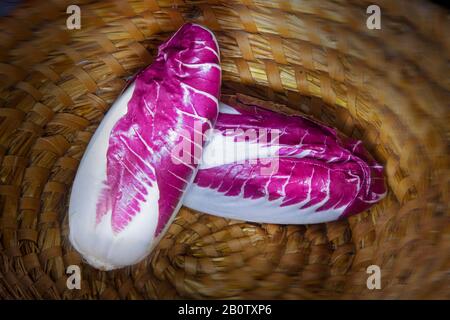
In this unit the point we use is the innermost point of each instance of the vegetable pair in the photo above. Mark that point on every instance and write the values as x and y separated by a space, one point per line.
257 165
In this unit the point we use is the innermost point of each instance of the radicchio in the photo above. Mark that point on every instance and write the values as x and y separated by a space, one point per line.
128 188
319 176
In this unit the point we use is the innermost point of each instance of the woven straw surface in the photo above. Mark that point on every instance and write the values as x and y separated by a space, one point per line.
388 87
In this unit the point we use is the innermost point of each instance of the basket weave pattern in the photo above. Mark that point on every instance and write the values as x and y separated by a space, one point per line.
389 88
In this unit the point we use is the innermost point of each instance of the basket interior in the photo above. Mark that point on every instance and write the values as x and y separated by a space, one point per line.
313 59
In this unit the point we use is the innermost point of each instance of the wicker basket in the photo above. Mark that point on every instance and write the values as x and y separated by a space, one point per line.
388 87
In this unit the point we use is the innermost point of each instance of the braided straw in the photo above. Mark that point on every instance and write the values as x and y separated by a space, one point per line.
389 88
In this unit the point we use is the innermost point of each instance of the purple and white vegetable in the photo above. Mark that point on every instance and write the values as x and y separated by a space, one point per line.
266 167
128 188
